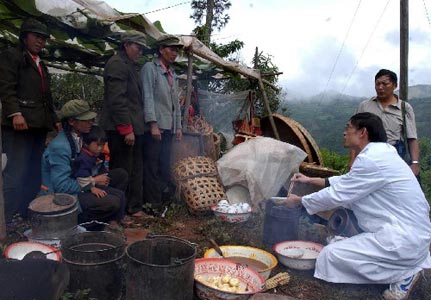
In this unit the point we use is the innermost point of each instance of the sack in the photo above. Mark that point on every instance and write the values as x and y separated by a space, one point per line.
403 151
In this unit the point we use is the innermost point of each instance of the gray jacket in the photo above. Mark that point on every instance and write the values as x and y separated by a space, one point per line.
161 101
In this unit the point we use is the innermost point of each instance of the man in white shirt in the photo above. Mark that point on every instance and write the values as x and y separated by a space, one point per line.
390 208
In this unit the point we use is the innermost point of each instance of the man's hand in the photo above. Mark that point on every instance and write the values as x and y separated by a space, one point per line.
299 177
155 132
129 139
415 169
102 179
98 192
291 201
19 123
179 135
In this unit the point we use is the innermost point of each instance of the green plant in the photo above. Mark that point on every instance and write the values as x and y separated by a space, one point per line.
334 160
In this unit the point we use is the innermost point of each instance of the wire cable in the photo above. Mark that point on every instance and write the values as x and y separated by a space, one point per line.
426 13
365 47
165 8
340 51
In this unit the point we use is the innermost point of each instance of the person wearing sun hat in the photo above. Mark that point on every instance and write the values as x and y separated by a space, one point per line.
57 165
122 114
162 115
28 114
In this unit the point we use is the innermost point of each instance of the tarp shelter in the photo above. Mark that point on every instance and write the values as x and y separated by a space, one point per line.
84 33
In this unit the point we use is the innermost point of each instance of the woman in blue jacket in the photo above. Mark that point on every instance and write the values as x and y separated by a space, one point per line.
57 161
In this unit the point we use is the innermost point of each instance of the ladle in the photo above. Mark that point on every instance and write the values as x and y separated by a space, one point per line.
217 248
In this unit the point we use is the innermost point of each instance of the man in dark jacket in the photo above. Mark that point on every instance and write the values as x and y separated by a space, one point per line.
122 115
27 115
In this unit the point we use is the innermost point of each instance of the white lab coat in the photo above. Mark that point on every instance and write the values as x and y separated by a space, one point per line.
391 208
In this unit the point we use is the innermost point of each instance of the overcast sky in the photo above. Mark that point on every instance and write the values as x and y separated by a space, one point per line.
305 37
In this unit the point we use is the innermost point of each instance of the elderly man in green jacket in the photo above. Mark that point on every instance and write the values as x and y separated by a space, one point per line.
123 115
28 114
162 116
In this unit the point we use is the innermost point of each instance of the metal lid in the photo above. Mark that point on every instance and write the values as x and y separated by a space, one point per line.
53 203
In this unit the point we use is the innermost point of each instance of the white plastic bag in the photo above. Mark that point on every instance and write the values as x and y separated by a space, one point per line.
261 164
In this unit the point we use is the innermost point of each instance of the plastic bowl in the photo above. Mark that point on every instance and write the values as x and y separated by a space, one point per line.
20 249
231 217
289 254
248 252
210 267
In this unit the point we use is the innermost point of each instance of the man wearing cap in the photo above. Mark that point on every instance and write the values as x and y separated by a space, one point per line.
162 117
123 114
57 162
28 114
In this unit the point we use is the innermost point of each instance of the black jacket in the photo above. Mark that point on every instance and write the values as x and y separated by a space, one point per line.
21 90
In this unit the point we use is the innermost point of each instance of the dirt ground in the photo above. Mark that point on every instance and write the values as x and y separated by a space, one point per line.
303 286
180 223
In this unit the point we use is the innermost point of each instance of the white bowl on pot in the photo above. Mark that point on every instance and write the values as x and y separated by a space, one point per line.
257 254
20 249
249 280
299 255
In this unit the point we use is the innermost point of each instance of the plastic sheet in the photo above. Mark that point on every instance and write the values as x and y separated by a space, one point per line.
220 110
261 164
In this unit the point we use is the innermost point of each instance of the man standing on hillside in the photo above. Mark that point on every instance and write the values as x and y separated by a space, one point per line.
389 108
162 115
28 114
123 115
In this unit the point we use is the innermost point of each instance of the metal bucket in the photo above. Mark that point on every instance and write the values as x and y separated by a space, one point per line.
50 220
280 223
94 259
160 267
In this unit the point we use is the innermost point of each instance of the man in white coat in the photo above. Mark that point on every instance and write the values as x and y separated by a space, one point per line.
391 209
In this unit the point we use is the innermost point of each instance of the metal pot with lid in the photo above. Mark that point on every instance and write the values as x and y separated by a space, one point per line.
53 215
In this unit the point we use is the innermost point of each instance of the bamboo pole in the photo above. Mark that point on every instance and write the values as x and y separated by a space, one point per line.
189 90
268 108
2 216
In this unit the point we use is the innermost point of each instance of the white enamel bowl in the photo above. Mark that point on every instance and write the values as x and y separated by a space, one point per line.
211 267
248 252
20 249
299 255
231 217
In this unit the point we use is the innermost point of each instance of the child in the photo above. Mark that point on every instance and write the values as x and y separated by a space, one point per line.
89 164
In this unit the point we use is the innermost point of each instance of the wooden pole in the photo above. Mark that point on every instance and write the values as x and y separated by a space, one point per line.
189 90
2 216
268 109
404 50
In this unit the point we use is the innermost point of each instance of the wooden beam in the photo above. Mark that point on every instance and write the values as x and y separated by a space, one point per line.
268 109
189 90
404 50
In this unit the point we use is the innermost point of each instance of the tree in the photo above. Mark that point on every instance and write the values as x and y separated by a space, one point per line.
70 86
215 17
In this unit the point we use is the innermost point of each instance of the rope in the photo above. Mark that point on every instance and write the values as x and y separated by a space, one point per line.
365 47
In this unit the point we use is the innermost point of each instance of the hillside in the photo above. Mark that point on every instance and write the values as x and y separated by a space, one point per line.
325 117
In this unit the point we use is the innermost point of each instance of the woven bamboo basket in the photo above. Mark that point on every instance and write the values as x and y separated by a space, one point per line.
201 193
198 183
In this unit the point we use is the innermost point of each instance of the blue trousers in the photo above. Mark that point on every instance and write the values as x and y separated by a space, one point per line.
22 175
